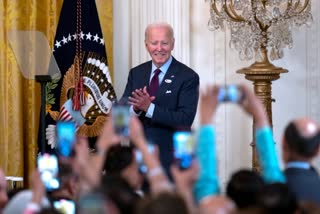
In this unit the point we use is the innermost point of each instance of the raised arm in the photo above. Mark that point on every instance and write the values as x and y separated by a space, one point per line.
207 184
264 142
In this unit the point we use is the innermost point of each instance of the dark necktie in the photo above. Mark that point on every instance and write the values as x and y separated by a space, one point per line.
154 84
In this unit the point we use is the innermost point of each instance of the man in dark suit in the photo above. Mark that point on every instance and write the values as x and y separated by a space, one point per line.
163 92
300 145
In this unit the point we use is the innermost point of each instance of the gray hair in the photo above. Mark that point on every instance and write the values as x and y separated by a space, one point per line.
159 25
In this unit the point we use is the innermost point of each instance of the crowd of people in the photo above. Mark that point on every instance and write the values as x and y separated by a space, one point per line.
111 180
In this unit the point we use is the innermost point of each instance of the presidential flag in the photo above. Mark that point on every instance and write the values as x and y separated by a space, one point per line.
84 94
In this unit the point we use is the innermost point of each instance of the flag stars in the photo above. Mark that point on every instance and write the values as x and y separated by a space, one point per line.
65 40
58 44
101 41
74 36
81 35
88 36
96 38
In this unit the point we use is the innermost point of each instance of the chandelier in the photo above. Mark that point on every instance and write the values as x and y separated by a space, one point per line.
259 24
260 29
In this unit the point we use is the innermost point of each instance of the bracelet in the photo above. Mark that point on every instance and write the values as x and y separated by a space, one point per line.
155 172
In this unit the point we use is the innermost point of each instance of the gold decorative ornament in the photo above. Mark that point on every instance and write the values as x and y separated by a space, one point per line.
260 29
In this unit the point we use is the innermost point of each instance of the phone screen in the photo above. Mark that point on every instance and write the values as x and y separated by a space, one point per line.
48 168
65 206
229 93
66 133
233 93
121 118
184 149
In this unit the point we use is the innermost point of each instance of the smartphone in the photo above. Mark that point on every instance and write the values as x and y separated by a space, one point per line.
184 149
139 158
121 119
65 206
229 93
48 168
66 137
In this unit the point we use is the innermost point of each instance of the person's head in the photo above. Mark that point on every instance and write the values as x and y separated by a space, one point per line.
120 160
301 140
243 188
3 190
159 42
164 202
277 198
119 192
69 183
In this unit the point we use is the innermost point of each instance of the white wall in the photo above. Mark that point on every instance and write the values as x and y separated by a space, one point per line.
296 93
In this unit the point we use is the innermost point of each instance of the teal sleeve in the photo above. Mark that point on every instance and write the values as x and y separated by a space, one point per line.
207 182
269 163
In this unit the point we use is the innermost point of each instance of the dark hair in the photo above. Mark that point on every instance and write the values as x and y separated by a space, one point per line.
163 203
49 210
276 198
304 146
118 190
243 187
118 158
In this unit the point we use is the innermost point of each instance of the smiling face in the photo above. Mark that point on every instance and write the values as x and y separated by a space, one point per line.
159 43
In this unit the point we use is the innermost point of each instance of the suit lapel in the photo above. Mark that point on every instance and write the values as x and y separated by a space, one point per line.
168 79
146 75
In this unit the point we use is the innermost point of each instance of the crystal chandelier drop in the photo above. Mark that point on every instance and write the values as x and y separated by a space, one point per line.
259 26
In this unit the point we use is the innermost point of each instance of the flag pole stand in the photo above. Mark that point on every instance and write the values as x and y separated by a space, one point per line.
43 79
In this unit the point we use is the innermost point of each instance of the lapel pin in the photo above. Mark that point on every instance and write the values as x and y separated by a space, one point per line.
168 81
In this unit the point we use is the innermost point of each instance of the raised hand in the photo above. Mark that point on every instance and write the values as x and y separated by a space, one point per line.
141 99
137 133
108 136
37 187
253 105
208 104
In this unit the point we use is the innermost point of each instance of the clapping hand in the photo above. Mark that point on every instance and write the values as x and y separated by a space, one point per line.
141 99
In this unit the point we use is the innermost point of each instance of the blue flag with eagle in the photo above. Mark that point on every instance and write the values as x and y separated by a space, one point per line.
84 94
